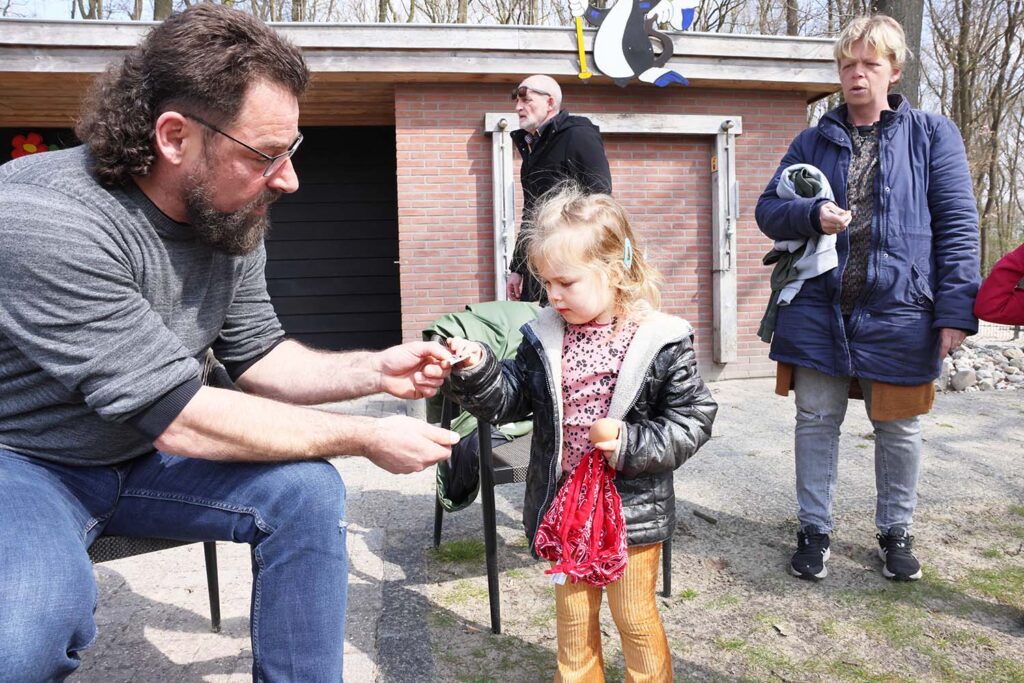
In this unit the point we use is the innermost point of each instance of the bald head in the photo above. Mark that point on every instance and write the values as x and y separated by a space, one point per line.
545 84
539 101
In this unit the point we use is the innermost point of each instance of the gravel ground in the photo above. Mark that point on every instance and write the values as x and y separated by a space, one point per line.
416 614
736 615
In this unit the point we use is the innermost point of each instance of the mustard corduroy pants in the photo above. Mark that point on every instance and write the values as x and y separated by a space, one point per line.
635 611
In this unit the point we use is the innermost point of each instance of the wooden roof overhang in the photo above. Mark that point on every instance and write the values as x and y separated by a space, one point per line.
45 66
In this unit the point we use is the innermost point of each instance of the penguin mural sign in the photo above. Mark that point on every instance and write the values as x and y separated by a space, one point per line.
626 32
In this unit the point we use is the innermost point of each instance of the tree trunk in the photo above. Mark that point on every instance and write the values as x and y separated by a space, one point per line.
463 15
792 17
162 9
910 14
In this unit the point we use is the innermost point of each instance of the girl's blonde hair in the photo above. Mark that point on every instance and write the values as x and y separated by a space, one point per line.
881 33
568 226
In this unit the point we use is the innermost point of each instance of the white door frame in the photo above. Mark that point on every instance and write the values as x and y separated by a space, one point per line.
724 200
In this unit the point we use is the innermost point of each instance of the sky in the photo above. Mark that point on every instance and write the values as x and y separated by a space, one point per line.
43 9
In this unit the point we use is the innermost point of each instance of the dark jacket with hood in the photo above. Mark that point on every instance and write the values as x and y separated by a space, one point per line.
666 408
923 269
570 148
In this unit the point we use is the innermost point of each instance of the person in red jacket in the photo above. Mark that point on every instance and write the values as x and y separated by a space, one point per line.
1001 297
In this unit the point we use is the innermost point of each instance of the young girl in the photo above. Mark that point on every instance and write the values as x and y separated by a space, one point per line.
601 350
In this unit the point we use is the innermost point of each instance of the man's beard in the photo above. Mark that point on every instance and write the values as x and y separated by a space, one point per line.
235 233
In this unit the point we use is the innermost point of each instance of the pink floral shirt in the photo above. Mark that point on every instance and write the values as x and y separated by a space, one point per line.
592 354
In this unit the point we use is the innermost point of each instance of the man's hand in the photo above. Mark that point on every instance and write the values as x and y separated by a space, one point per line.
513 286
413 370
402 445
833 219
950 339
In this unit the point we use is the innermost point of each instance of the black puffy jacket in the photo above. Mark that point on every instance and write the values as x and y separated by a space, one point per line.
665 405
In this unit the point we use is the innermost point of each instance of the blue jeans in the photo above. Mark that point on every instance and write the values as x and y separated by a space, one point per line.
290 513
820 408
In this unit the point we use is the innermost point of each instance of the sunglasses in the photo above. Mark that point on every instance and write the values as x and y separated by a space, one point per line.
523 93
274 163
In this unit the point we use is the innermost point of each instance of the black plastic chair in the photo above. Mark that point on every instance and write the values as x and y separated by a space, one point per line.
504 464
108 548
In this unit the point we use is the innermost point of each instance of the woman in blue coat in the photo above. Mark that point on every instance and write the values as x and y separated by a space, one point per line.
879 324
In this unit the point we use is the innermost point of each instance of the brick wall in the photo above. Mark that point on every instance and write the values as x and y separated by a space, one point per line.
444 198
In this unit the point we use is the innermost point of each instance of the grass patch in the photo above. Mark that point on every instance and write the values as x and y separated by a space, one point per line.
519 541
1006 585
688 594
1017 510
730 644
463 593
765 659
1006 671
544 616
463 550
992 554
898 625
517 573
613 673
965 639
723 601
442 619
847 670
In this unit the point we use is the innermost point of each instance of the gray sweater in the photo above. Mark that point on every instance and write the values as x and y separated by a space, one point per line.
106 307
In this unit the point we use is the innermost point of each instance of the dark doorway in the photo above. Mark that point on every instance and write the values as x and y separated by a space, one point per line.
332 255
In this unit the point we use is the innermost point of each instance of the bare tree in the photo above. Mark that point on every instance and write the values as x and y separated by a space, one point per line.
910 14
90 9
792 18
979 43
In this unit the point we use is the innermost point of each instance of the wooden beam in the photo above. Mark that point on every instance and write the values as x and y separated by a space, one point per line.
403 53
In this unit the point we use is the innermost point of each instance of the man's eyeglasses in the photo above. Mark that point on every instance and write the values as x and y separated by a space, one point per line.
274 163
523 92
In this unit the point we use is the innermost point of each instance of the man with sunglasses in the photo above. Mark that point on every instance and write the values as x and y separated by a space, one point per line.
121 263
555 147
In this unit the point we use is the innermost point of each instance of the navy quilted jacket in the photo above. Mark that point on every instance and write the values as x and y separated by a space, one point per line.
923 270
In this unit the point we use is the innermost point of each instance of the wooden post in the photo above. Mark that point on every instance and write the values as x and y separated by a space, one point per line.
724 210
504 203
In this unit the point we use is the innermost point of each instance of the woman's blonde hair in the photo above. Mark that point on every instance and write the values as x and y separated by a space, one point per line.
568 226
881 33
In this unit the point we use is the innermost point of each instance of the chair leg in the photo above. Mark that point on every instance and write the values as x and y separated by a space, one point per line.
210 550
438 520
666 568
490 524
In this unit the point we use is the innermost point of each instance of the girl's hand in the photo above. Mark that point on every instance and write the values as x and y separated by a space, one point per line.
470 352
604 434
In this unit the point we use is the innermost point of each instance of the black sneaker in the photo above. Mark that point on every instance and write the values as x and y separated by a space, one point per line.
896 550
811 553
